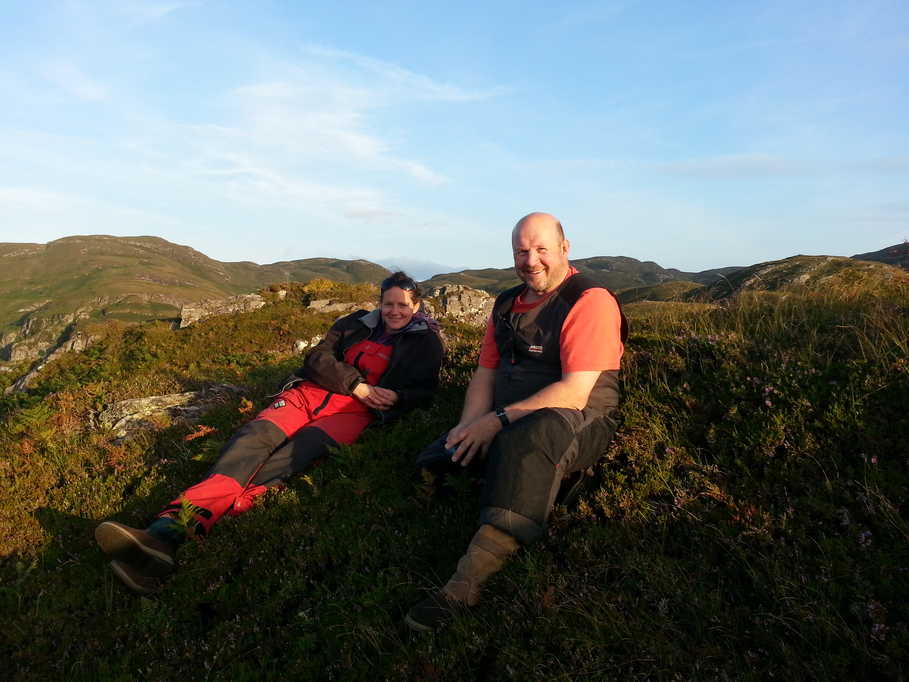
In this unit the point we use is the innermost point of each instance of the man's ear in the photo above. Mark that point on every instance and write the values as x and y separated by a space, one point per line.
565 246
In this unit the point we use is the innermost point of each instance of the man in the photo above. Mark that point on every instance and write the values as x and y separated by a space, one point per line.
539 405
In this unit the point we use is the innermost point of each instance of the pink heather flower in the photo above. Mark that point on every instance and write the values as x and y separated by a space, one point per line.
879 632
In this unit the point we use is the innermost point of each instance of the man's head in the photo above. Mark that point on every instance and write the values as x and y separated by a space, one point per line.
540 252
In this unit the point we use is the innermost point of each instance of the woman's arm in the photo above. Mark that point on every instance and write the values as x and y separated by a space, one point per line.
324 364
420 380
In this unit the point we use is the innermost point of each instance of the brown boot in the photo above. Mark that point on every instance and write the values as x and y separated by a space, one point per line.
485 555
154 557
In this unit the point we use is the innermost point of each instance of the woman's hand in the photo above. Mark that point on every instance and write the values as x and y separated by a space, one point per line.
376 397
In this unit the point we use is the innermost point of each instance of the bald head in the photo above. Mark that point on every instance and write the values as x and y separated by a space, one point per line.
541 220
540 252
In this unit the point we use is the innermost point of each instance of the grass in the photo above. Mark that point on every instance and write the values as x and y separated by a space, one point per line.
748 522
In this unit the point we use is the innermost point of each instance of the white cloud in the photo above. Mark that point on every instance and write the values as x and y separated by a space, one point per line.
314 114
143 12
41 215
734 166
408 83
751 166
73 80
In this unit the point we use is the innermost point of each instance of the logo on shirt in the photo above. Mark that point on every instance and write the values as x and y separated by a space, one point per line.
535 349
279 403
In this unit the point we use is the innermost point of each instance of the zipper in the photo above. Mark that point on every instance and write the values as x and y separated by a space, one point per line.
323 404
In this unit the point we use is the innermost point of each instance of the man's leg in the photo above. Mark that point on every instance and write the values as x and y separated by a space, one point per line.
527 462
529 459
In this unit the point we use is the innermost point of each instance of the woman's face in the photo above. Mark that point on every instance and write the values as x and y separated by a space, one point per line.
398 308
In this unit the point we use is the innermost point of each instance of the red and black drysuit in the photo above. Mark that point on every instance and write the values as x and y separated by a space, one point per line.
316 410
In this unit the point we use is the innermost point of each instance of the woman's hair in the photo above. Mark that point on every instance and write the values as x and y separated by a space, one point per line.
404 282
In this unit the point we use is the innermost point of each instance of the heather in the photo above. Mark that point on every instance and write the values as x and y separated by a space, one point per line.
748 522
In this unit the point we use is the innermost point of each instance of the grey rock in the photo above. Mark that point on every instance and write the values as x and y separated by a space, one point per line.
127 418
327 305
460 302
79 341
191 313
300 345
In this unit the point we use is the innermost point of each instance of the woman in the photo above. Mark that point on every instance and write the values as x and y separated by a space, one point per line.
371 366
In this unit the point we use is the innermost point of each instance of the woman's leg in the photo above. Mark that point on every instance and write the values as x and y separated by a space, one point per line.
241 458
307 445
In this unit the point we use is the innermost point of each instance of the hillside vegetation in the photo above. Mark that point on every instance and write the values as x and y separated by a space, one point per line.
748 522
49 290
897 255
615 272
65 274
806 273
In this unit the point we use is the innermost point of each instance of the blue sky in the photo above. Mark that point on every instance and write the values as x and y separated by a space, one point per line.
697 135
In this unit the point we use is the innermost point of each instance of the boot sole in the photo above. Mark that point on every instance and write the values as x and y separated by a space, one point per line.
417 626
122 545
127 579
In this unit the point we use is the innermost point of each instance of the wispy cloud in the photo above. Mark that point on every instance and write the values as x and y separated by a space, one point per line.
68 76
408 83
143 12
752 166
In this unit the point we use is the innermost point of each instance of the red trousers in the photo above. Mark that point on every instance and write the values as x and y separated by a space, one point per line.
299 427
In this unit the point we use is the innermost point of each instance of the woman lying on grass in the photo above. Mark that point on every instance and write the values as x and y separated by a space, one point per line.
371 366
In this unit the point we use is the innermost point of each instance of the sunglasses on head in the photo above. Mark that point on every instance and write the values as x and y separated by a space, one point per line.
403 284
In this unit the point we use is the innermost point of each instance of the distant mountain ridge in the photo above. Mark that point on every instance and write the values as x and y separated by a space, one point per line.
47 288
897 255
614 272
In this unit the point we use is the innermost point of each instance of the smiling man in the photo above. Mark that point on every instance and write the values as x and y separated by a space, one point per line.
539 407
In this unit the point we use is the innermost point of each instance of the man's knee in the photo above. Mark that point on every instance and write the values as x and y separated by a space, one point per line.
522 528
543 435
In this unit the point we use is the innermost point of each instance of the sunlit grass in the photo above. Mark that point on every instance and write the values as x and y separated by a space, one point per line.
748 522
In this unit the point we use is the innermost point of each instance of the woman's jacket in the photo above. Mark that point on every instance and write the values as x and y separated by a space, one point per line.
412 373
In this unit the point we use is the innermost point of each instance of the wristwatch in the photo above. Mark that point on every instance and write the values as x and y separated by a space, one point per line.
503 416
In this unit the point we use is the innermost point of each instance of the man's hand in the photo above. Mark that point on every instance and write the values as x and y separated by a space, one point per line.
468 440
376 397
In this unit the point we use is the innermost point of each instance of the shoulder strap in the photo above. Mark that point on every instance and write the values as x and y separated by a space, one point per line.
575 286
503 300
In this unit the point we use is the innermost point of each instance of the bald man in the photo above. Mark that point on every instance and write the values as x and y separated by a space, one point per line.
539 406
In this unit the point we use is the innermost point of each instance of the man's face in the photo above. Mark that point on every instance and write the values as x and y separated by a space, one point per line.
540 255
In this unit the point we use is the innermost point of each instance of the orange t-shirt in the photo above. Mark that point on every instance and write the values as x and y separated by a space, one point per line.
591 338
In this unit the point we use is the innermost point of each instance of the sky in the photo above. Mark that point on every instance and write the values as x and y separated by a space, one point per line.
697 134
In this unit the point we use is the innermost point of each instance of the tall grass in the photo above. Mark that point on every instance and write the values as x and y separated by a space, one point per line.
748 522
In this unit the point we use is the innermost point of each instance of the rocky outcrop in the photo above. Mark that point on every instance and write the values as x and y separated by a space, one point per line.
191 313
128 418
79 341
38 335
460 302
806 273
328 305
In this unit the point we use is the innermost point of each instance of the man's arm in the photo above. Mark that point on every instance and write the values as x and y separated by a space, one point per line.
479 424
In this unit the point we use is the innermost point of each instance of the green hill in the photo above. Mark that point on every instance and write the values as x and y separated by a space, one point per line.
46 288
614 272
805 273
897 255
677 290
749 521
